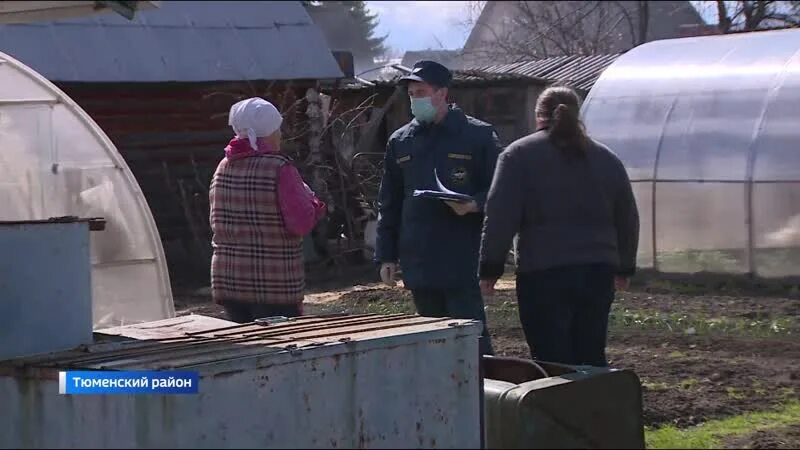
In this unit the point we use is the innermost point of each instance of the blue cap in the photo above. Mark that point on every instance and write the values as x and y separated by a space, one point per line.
429 72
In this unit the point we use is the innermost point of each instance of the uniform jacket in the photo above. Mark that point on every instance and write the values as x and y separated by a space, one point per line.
436 248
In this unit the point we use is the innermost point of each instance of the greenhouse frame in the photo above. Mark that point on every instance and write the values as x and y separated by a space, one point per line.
57 162
708 128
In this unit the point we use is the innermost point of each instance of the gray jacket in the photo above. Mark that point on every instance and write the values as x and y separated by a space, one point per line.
565 211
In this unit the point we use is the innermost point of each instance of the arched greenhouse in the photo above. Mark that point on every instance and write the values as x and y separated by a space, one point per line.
709 129
56 161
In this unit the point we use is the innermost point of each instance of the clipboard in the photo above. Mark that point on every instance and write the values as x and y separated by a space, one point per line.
442 193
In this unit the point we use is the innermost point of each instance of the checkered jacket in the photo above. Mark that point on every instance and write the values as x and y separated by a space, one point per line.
255 258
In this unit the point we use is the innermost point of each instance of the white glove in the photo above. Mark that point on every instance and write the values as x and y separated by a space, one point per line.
388 272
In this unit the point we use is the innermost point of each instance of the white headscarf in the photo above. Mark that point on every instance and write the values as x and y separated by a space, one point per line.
254 118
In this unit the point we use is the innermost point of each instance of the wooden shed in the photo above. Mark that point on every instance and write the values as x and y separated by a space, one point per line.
161 87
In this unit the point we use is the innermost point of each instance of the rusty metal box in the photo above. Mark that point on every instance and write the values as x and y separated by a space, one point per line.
360 381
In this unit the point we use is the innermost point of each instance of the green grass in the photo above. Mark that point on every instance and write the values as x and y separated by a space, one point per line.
710 434
621 318
689 383
768 261
787 392
505 315
734 393
655 386
720 261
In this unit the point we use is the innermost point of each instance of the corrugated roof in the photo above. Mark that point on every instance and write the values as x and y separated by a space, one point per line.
580 72
187 41
478 76
174 344
460 77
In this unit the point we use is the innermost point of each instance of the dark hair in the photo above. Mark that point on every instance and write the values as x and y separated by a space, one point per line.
557 111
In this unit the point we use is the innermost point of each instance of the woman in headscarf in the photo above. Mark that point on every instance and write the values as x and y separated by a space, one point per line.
260 211
570 201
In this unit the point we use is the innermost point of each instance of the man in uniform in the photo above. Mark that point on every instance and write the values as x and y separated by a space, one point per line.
436 242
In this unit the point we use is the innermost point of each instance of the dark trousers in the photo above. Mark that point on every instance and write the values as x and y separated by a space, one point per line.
466 303
244 312
564 313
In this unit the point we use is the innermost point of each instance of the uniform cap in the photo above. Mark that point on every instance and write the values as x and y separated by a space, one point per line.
429 72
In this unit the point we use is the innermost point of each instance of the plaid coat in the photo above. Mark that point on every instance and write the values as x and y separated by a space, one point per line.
255 258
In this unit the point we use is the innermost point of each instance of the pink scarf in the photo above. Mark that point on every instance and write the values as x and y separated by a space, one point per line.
240 148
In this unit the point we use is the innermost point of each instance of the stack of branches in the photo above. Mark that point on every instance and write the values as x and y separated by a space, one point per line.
321 134
336 127
189 186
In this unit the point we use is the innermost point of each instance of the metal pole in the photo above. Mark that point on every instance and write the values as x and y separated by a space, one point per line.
655 182
751 160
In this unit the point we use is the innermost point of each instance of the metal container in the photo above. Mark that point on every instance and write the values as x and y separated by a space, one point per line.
361 381
45 286
543 405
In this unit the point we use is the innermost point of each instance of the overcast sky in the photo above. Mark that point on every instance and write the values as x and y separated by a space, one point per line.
428 24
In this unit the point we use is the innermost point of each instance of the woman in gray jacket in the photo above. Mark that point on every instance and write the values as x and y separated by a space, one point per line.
570 201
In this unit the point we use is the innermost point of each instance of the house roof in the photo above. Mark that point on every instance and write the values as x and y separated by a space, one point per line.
665 21
182 41
24 11
483 21
333 24
580 72
460 78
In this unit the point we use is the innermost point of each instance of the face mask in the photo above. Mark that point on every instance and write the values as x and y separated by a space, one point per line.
423 109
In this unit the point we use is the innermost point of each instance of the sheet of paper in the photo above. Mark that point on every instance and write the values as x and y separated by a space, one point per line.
442 193
442 187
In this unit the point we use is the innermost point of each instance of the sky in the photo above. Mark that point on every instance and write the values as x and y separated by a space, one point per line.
430 24
421 25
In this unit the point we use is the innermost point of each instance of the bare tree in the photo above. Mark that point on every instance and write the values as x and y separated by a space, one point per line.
753 15
542 29
472 12
528 30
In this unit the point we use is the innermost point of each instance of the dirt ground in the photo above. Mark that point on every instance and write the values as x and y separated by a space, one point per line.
782 438
699 357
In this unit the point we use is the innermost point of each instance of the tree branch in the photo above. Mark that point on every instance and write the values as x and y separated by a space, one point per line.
749 15
544 29
723 21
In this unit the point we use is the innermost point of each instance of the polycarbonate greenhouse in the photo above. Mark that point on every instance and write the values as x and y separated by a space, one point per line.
709 129
56 161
